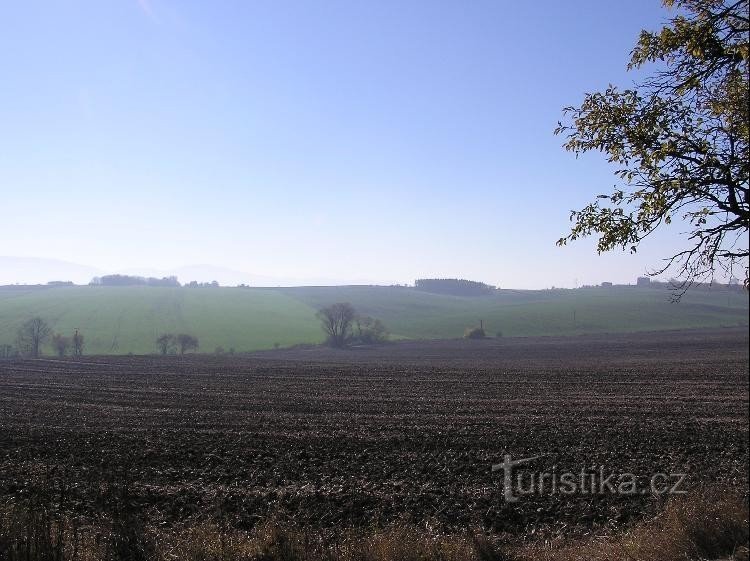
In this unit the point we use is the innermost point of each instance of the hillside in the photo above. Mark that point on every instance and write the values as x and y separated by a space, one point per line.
119 320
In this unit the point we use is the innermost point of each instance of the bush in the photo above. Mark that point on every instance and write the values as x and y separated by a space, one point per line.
474 333
61 344
369 331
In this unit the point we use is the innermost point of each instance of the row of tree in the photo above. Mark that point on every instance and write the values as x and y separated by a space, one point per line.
196 284
132 280
35 333
340 321
170 343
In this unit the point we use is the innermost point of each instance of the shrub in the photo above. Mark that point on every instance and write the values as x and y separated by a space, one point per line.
61 344
368 331
474 333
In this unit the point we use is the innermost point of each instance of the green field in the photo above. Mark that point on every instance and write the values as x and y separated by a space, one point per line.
121 320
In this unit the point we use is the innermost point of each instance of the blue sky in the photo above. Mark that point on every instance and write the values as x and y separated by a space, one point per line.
351 141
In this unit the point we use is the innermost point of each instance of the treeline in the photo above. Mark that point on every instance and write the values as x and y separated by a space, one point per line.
196 284
454 287
132 280
129 280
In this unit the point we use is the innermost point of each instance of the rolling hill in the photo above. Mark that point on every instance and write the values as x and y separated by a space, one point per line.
121 320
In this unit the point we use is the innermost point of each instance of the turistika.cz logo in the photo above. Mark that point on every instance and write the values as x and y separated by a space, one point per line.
597 480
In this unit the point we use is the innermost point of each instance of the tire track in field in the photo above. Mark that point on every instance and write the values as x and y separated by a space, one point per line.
115 344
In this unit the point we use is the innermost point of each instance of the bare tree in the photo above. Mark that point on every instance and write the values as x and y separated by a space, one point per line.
166 343
336 321
187 342
77 343
32 335
61 344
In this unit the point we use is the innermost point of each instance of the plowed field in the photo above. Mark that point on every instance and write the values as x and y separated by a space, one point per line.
403 432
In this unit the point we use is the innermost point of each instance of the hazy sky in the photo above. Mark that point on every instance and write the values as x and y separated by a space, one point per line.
359 141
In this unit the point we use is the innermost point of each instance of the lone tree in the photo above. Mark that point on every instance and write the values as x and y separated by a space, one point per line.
187 342
32 335
166 343
61 344
679 140
77 342
336 321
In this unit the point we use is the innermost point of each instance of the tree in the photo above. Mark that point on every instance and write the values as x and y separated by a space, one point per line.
166 343
679 140
187 342
77 342
61 344
336 320
32 335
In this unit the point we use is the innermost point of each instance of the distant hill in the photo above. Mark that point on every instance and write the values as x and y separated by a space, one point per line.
120 320
33 270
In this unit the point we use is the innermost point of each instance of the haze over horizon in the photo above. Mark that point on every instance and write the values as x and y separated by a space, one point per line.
336 143
33 271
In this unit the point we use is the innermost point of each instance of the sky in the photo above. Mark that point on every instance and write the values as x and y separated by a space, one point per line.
337 141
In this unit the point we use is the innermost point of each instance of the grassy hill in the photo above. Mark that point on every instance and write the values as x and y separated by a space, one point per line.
119 320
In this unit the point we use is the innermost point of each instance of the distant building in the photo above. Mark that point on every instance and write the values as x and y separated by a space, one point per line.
643 281
606 285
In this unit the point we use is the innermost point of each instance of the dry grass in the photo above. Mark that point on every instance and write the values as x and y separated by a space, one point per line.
706 526
38 534
709 525
271 542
